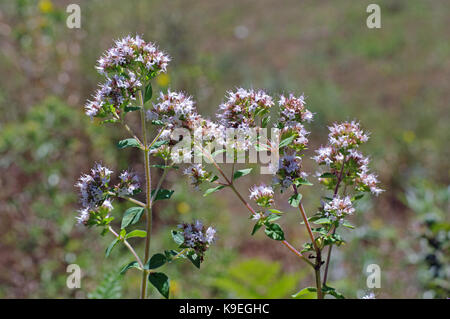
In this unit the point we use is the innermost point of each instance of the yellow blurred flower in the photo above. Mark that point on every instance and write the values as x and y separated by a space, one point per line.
163 80
45 6
174 288
183 207
409 136
376 223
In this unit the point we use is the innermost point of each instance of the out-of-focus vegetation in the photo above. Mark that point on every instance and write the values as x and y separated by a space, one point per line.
395 80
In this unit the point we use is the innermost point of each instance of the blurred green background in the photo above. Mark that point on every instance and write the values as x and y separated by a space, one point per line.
395 80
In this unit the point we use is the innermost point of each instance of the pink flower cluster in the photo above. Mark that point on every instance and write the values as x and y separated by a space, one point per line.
343 141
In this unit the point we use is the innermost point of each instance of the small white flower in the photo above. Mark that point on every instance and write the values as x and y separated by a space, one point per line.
340 207
262 195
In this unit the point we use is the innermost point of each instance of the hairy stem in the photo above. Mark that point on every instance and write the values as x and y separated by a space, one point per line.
336 189
318 262
148 203
250 208
130 248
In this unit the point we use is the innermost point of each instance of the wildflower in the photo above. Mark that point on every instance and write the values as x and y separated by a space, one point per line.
346 135
128 185
343 140
293 110
133 51
370 295
241 108
324 155
174 109
94 187
197 174
300 140
369 181
289 170
198 237
339 207
210 235
262 195
258 216
83 216
125 66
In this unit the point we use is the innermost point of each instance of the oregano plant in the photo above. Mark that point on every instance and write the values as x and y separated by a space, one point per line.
129 68
239 135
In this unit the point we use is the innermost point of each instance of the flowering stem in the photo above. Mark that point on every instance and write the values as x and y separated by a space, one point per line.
148 204
336 189
128 129
250 208
318 262
130 199
158 187
127 244
180 253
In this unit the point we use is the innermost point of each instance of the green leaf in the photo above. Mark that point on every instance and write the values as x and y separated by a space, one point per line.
321 221
162 194
220 151
301 181
213 190
129 142
327 175
257 226
131 216
164 166
347 224
274 231
133 264
272 218
295 199
157 260
241 172
136 233
131 108
158 144
332 291
261 147
286 141
265 121
148 92
356 197
276 211
194 258
111 246
161 282
170 254
177 237
306 293
158 122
